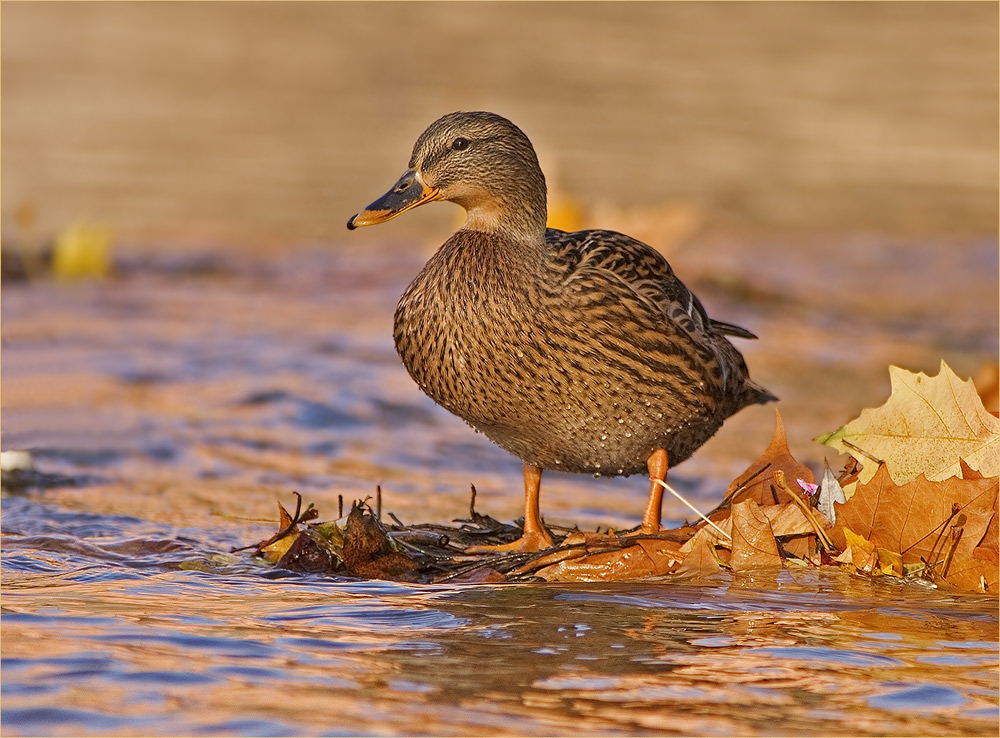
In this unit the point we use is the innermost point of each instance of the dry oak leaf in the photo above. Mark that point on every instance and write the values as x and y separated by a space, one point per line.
941 523
925 427
757 482
754 546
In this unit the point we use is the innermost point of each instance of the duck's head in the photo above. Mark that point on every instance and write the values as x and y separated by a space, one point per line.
480 161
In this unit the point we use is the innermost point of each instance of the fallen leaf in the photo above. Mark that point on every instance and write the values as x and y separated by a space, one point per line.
757 482
368 552
664 554
753 545
830 492
306 556
627 563
479 575
858 552
701 559
924 428
787 520
801 547
939 523
889 562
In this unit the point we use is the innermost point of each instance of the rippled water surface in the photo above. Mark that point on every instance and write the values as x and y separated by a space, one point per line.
168 410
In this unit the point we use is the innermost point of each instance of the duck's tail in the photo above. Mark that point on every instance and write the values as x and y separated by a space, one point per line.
754 394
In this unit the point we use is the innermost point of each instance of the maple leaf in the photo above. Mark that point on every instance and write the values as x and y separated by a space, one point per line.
924 428
941 524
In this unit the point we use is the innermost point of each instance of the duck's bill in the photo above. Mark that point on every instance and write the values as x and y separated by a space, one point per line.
409 192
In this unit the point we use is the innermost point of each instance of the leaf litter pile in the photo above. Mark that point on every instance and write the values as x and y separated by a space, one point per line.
917 500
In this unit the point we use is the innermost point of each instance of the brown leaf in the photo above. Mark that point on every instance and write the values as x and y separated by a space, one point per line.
967 472
801 547
701 559
479 575
368 552
754 546
757 482
858 552
628 563
664 554
940 523
284 519
787 520
306 556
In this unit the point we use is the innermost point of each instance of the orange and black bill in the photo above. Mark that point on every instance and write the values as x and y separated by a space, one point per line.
409 192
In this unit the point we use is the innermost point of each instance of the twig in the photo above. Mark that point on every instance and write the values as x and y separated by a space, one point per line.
287 529
861 451
742 487
378 501
956 536
696 510
779 477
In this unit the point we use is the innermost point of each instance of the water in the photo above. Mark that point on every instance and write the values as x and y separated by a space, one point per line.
125 648
170 408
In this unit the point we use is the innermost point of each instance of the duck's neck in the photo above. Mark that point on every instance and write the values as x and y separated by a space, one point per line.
521 222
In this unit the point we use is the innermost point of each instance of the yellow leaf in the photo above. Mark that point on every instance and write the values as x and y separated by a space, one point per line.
890 562
82 251
853 539
925 427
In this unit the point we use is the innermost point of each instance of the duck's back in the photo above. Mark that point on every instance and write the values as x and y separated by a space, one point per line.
583 354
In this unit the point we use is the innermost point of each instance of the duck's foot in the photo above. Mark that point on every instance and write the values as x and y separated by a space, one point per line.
530 542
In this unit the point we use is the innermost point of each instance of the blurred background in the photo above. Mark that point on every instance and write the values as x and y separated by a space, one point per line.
273 122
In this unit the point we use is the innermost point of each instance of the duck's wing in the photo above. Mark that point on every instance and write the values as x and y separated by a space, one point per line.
643 270
624 270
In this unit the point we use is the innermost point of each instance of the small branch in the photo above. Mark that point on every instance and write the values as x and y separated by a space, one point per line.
861 451
692 507
779 477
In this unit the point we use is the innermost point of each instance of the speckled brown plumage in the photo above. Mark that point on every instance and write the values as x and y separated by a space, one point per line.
580 352
583 355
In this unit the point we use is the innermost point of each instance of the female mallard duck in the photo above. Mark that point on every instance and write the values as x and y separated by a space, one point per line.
580 352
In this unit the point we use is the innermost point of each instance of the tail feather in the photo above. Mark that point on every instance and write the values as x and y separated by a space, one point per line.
754 394
728 329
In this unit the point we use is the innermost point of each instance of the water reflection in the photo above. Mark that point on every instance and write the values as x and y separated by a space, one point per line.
243 654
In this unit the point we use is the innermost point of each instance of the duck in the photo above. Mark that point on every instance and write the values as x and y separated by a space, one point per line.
578 352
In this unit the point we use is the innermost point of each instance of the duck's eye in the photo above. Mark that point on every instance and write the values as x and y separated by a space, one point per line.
460 144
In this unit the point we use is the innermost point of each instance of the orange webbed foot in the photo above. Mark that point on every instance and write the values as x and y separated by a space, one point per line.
530 542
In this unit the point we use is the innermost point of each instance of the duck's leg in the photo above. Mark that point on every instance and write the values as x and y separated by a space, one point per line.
535 537
657 465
